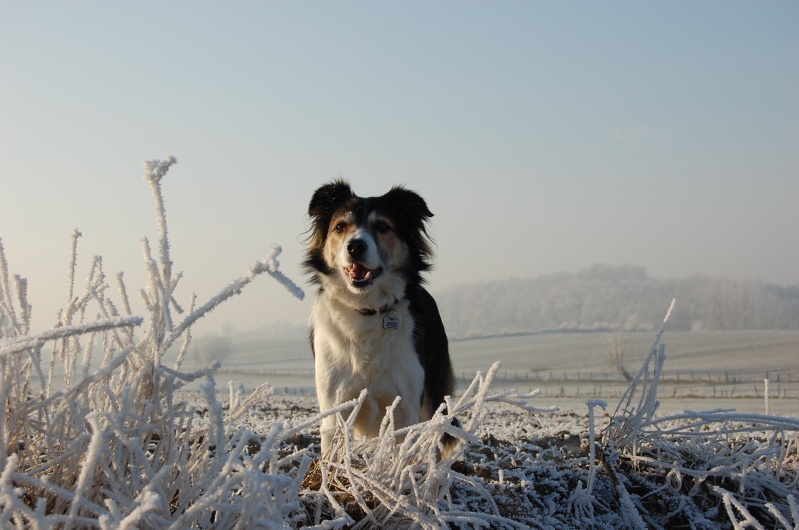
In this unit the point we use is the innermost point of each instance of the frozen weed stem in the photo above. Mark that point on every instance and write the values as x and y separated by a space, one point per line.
403 478
749 462
113 448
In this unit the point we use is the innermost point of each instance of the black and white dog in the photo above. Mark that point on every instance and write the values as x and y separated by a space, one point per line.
373 325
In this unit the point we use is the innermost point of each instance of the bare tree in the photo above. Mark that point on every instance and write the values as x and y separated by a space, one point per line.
616 349
212 348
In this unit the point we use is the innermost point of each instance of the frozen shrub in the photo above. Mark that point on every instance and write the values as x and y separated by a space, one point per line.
113 447
404 477
747 462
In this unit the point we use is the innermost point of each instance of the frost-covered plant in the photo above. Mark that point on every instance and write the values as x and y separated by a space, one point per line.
112 446
404 477
111 442
748 462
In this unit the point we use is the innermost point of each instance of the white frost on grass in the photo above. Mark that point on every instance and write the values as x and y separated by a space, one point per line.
122 447
116 449
702 453
404 477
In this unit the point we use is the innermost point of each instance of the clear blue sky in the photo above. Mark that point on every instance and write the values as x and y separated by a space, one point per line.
545 136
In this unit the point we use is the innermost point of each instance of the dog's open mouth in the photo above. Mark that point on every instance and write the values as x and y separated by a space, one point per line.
361 276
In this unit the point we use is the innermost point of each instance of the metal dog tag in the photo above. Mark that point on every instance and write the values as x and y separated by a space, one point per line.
391 320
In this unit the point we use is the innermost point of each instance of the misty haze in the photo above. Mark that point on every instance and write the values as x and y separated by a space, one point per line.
615 298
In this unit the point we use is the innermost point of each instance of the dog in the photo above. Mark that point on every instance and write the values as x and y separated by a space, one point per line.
373 325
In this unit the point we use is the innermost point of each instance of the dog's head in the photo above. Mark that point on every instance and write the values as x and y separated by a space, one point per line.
367 244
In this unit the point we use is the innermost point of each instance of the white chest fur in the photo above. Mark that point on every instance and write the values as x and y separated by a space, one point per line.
354 351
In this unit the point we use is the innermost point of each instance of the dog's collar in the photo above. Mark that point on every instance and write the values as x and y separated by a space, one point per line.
368 311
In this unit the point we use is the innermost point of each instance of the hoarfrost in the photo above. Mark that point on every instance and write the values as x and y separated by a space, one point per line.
123 446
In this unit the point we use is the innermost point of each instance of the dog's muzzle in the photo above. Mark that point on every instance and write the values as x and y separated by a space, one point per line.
361 276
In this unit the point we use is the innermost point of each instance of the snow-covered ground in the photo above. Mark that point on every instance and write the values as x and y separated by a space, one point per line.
536 469
703 370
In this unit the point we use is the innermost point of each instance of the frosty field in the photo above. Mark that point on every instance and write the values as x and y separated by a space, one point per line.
703 370
108 425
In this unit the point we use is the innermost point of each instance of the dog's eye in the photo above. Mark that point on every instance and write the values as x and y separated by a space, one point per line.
382 227
339 228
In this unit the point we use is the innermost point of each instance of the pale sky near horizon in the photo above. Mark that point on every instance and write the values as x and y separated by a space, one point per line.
545 136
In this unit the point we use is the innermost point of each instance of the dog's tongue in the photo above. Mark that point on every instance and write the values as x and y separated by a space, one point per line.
358 271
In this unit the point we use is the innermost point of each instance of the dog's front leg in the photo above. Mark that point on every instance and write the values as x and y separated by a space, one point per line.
327 428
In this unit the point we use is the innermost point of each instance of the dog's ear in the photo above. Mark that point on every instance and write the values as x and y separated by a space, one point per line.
413 210
328 197
412 207
323 205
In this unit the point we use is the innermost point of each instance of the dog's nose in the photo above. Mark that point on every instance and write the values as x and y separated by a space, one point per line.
356 247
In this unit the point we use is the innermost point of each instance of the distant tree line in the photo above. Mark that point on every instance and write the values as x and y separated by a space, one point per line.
615 298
